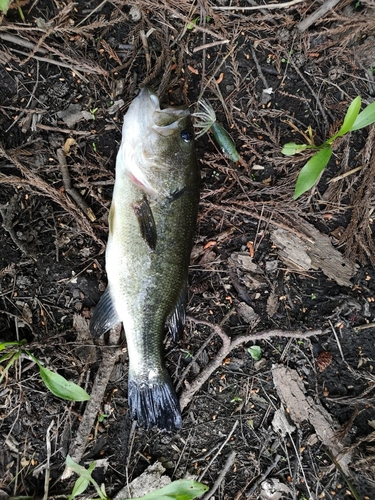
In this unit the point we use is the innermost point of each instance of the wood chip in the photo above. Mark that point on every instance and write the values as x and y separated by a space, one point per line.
314 251
302 408
193 70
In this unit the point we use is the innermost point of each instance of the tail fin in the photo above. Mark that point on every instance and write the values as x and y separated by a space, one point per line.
154 404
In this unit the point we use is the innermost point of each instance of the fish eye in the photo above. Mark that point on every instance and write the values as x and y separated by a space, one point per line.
186 136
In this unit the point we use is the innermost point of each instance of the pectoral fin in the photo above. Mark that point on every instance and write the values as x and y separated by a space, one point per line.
176 320
104 317
146 221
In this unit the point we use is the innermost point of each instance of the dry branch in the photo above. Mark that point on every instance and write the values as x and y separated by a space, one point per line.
323 9
110 356
228 345
73 192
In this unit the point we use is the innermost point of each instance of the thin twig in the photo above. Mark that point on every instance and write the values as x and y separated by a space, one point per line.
265 474
223 473
210 45
345 174
218 451
84 133
48 447
270 6
337 339
96 9
110 356
17 40
74 193
320 12
259 69
363 327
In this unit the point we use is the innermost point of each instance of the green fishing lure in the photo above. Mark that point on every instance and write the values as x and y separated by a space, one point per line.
205 120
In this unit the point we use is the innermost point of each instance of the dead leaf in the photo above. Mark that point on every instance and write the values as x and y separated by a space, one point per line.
272 304
68 144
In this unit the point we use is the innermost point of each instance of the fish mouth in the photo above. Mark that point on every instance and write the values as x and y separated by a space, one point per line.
164 121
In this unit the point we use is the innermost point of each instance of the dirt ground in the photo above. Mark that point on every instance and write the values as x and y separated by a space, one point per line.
295 278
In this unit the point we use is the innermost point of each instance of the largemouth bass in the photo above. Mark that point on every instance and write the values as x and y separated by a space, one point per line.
151 227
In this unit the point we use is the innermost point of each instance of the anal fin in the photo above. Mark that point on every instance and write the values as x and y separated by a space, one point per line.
176 320
104 316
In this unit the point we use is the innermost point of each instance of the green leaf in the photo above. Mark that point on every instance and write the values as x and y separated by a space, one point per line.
350 118
192 23
365 117
255 352
291 148
310 173
84 476
79 487
4 5
79 469
4 345
59 386
183 489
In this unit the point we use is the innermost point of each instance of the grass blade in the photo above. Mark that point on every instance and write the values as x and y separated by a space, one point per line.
182 489
310 173
291 148
350 118
365 117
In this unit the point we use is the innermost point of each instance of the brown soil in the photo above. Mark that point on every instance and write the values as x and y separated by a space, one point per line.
312 313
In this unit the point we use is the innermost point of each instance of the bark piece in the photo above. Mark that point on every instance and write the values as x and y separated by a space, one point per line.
151 479
247 313
302 408
312 250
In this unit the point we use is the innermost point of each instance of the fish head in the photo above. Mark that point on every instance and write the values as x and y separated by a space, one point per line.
155 143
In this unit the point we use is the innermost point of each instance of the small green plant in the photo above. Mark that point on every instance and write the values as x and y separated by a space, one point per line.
183 489
93 112
84 479
102 417
54 382
311 171
255 352
194 22
5 4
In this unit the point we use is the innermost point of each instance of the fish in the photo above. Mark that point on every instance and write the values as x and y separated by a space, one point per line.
152 222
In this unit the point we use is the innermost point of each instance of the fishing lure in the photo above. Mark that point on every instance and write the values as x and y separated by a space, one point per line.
205 120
